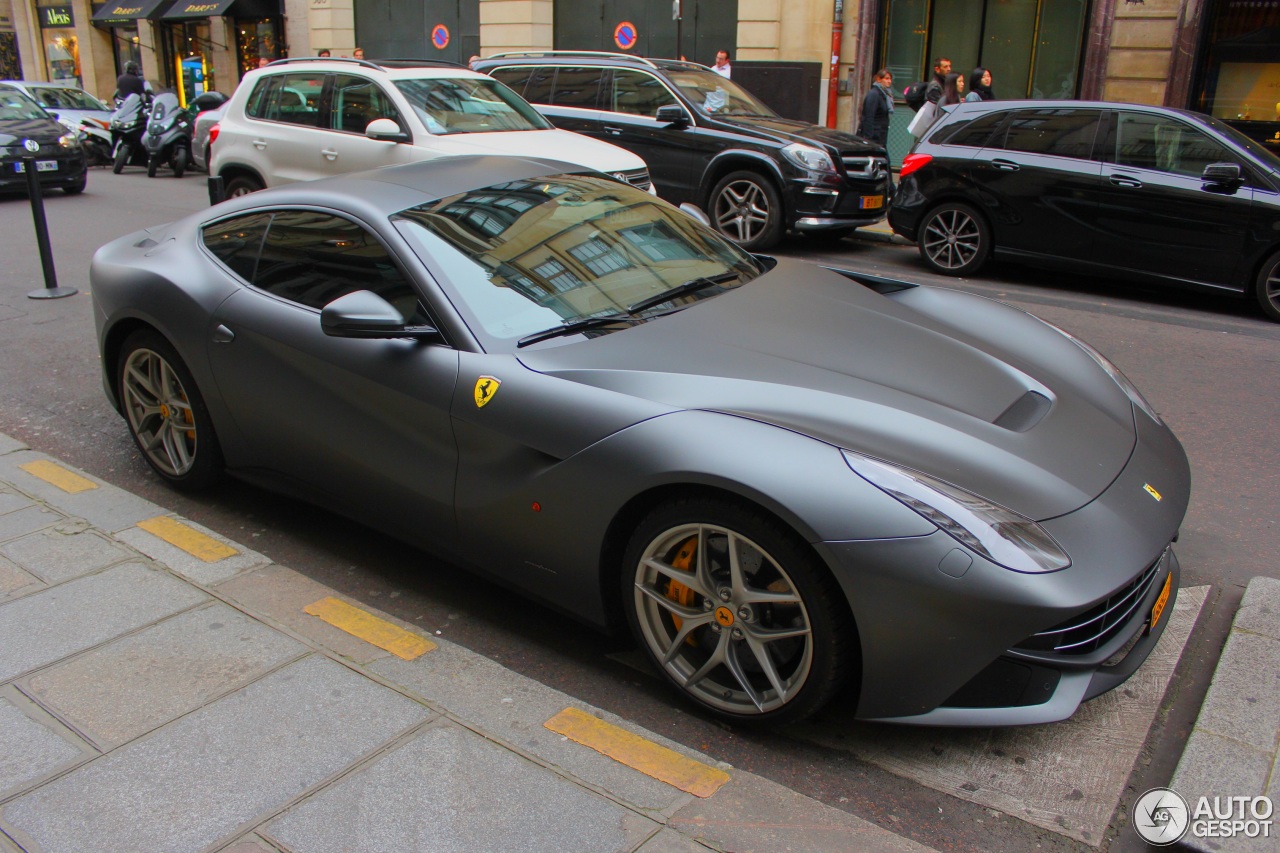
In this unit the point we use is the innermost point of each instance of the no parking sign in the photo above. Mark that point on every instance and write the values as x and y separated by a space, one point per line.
625 35
440 36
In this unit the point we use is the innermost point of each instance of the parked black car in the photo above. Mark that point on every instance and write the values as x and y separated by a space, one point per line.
26 130
708 141
1136 191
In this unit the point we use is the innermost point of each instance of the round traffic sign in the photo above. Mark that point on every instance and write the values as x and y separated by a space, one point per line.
440 36
625 35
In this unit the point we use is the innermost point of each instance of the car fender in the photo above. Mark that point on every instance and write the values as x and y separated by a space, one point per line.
733 159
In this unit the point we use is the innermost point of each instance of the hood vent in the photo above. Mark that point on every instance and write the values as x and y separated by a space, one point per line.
1026 412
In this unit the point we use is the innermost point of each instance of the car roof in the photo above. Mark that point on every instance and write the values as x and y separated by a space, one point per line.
394 69
587 57
1063 104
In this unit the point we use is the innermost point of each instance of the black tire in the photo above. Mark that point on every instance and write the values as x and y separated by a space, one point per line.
1267 288
242 185
954 239
180 159
77 188
746 208
166 415
715 653
153 164
121 158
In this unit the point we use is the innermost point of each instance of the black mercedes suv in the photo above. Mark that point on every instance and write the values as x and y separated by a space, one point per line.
708 141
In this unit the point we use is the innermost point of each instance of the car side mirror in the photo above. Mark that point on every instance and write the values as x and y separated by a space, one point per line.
386 130
365 314
1221 173
695 212
673 114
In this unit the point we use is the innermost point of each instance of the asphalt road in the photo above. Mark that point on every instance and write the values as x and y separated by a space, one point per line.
1210 366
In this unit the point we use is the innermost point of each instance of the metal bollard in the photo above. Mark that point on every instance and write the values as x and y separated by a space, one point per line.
51 289
217 189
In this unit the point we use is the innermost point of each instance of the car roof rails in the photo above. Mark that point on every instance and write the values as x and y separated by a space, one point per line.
292 60
409 62
595 53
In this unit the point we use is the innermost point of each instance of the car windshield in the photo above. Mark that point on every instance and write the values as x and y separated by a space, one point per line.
467 105
526 256
1269 158
15 106
65 98
714 95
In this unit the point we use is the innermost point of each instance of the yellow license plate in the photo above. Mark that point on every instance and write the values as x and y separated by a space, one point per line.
1158 608
871 202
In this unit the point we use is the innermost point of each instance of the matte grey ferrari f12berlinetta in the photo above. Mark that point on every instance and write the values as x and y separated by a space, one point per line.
783 477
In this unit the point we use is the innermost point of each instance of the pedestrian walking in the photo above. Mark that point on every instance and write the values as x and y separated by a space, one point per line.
358 53
952 90
941 68
980 85
324 51
877 109
722 66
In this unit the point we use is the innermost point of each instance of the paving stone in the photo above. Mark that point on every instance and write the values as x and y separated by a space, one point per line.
12 501
250 844
28 749
670 841
1273 789
1259 610
215 773
130 686
49 625
279 594
107 507
1212 765
1244 698
24 521
751 813
190 566
7 845
438 792
14 579
8 444
63 552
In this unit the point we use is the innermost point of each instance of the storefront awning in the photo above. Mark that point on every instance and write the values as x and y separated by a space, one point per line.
125 11
197 9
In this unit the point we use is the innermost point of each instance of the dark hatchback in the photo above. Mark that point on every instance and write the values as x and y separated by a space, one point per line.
1148 193
709 142
26 130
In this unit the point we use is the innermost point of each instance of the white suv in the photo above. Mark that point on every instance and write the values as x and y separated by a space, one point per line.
298 119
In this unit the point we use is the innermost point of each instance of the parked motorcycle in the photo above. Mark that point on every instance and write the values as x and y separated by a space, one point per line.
168 136
127 125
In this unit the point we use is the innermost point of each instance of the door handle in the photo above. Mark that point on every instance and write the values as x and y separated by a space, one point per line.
223 335
612 130
260 144
329 153
1006 165
1122 181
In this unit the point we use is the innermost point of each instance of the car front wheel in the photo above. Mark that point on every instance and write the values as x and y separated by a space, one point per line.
735 612
746 208
165 412
954 239
1267 288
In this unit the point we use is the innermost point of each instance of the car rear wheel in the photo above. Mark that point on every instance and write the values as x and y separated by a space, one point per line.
735 612
242 185
746 208
954 239
1267 288
165 412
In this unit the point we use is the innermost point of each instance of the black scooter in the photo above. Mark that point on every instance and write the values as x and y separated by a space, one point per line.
168 136
127 124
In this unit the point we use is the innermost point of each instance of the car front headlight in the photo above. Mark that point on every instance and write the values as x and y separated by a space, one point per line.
810 158
998 534
69 140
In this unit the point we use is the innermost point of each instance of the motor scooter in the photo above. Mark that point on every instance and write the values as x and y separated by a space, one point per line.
168 135
127 125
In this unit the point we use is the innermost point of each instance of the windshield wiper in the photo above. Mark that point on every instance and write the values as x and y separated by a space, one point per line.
693 285
583 325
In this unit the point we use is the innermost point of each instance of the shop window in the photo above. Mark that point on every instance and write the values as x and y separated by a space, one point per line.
1240 76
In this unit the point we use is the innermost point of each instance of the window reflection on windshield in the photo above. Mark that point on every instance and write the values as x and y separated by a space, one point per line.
524 256
15 106
466 105
713 94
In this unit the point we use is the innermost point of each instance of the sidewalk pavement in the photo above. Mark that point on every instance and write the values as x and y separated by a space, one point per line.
165 689
880 232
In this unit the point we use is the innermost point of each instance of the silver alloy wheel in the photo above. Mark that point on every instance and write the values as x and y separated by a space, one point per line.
742 211
731 629
1269 289
159 412
952 239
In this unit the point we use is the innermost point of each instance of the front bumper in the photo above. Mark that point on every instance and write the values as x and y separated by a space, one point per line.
70 170
820 203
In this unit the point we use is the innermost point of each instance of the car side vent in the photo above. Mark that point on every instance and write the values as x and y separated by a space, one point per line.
1025 412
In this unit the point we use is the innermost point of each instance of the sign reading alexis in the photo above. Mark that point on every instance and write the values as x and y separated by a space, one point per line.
625 34
440 36
52 17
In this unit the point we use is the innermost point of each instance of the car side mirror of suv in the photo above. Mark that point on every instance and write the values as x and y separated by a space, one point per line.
1221 173
386 130
673 114
365 314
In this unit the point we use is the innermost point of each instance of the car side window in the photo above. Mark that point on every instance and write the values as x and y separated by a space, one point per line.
577 87
538 88
356 101
238 241
514 78
638 93
1060 132
1165 144
294 99
312 258
260 97
973 133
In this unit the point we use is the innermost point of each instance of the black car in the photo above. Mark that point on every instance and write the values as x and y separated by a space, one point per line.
709 142
26 130
1143 192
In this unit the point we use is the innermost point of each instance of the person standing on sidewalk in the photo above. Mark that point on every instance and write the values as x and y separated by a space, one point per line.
952 90
980 85
877 109
941 68
722 66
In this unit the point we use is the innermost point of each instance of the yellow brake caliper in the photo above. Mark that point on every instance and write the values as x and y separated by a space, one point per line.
678 592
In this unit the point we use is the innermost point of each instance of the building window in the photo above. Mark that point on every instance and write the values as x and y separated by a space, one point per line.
61 47
1240 76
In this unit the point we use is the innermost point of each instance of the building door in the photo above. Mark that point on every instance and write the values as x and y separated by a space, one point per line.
427 29
646 28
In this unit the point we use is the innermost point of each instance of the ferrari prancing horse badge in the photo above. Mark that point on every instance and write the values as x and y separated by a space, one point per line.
486 387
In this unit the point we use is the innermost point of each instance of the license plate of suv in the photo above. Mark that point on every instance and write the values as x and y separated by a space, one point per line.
41 166
871 202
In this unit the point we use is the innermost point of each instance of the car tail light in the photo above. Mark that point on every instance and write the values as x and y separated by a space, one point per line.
213 133
912 162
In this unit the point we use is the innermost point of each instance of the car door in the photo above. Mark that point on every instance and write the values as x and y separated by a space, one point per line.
1155 215
674 154
283 128
361 425
1037 180
354 102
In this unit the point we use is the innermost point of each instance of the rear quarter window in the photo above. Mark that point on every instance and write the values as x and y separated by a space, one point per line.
237 242
970 132
1060 132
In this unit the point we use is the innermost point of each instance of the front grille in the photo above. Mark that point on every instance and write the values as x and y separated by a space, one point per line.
638 178
864 166
1089 631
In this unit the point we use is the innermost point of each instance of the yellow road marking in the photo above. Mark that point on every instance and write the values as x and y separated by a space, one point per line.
68 481
639 753
187 538
360 623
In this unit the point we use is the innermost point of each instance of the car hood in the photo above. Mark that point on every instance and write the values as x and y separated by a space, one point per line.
46 131
788 130
964 388
558 144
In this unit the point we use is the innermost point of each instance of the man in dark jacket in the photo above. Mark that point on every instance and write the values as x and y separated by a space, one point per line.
941 68
877 109
130 82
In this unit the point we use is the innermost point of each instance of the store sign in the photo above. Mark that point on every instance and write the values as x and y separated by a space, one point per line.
54 17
